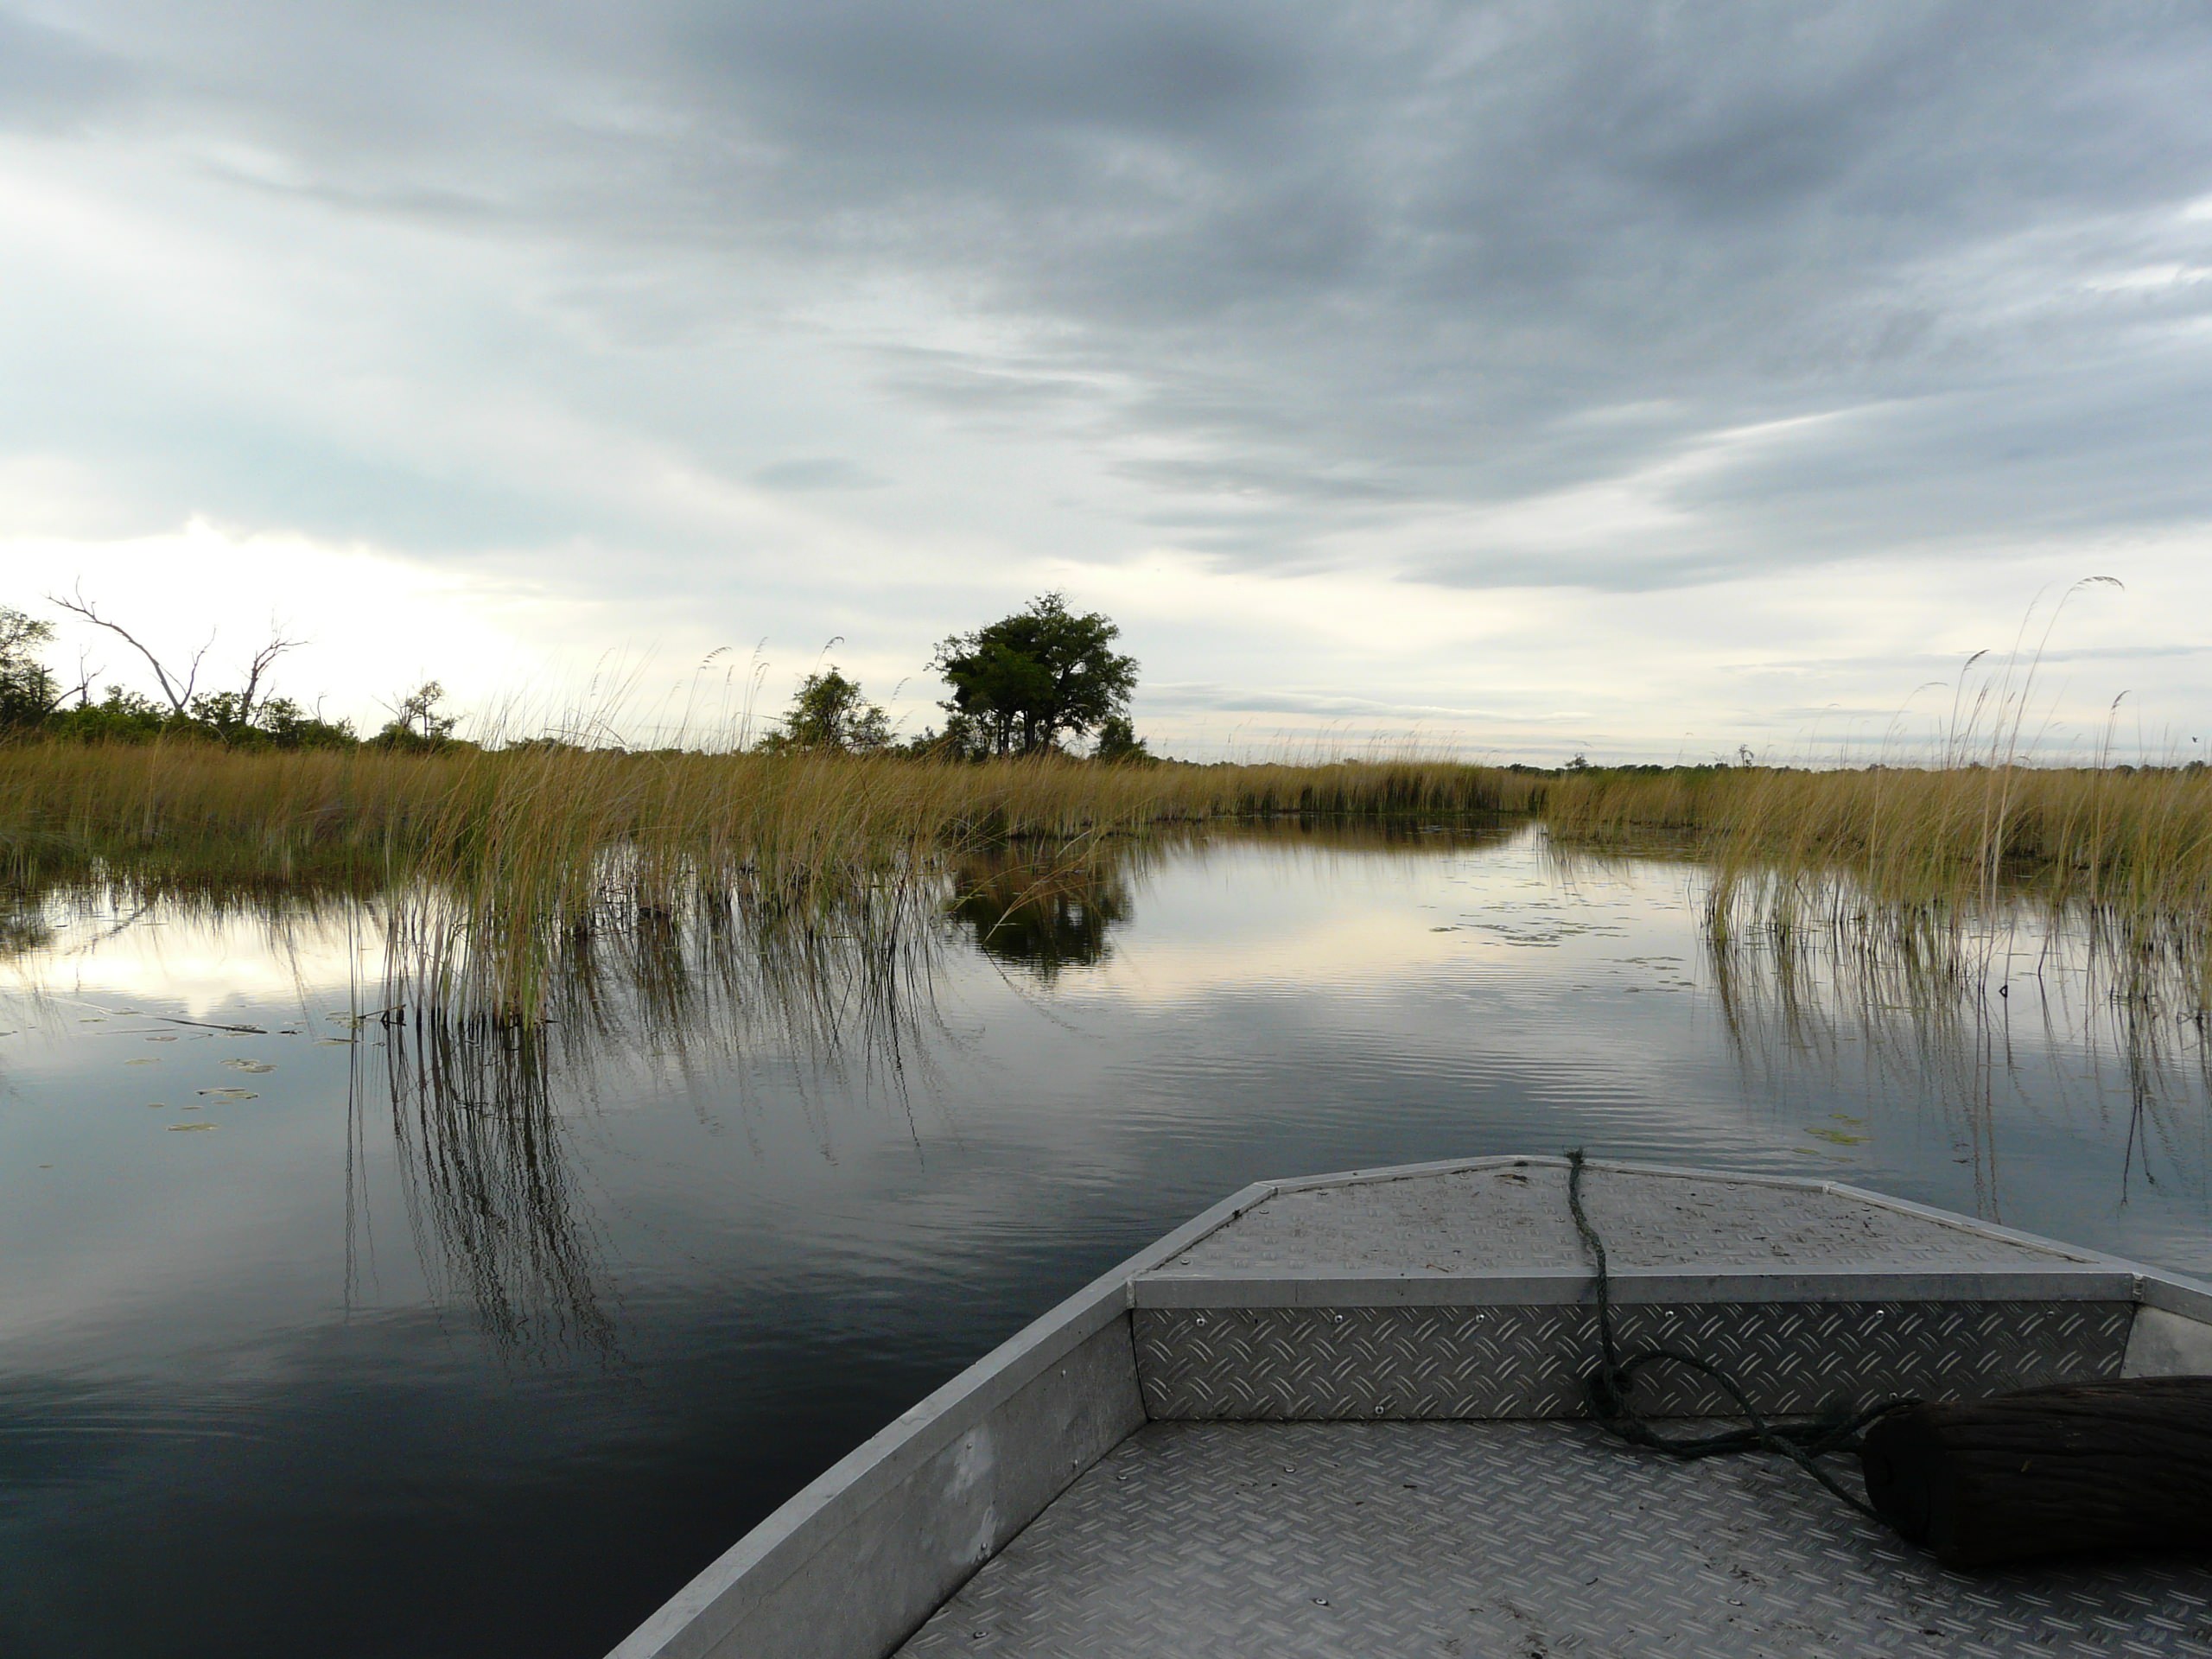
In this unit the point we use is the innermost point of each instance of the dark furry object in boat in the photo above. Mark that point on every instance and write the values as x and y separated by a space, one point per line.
2046 1472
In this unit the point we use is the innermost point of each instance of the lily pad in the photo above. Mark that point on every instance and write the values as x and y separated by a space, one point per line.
187 1128
1838 1137
249 1066
230 1094
148 1060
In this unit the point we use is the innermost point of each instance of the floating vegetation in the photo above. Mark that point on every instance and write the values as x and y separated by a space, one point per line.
1836 1137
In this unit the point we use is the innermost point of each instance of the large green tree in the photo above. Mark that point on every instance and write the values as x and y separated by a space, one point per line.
829 711
1030 679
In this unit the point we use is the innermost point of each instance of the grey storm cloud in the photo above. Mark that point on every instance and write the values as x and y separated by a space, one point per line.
1303 274
49 79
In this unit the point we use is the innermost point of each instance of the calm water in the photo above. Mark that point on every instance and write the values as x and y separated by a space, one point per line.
318 1338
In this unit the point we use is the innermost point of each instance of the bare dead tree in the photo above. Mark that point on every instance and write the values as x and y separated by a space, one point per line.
83 688
416 712
256 669
179 688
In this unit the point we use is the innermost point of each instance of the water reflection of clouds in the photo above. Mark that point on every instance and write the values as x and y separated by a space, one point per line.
1262 917
1329 965
746 1172
180 958
1369 949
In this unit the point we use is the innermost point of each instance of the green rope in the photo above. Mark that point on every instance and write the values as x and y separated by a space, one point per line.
1611 1388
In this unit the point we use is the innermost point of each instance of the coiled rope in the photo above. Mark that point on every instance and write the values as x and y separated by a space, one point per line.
1611 1390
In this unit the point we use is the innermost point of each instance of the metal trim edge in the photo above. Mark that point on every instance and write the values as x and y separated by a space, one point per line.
1322 1287
753 1569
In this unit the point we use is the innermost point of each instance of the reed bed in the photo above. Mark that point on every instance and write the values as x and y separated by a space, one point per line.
1916 855
493 858
492 863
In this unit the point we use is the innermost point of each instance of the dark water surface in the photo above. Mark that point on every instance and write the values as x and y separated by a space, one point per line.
423 1348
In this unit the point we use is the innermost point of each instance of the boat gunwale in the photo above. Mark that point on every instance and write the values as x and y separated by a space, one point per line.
754 1568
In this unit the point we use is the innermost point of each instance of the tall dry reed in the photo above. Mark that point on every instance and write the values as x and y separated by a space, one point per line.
496 856
2127 850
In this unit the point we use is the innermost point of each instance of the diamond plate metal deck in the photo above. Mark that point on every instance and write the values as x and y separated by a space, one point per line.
1383 1299
1286 1364
1360 1541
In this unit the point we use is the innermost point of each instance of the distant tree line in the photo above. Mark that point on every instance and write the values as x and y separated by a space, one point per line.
1041 681
36 702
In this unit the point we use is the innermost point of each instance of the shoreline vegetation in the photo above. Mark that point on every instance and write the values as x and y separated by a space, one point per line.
498 860
1908 858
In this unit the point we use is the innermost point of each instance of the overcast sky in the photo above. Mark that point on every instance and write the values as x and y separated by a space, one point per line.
1642 380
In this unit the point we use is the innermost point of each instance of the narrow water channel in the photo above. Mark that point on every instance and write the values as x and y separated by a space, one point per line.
324 1334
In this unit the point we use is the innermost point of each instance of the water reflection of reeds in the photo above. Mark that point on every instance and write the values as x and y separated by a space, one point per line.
700 984
1937 1002
494 857
700 988
1944 1014
484 1109
489 1185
